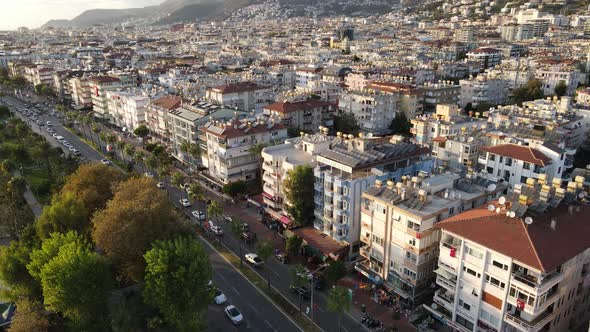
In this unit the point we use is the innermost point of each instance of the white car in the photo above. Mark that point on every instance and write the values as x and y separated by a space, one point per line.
217 230
219 297
49 123
253 259
234 314
149 175
160 185
198 214
185 202
105 162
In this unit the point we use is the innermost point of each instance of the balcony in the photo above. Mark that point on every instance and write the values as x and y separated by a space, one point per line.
366 210
365 251
446 279
529 326
444 298
535 284
318 187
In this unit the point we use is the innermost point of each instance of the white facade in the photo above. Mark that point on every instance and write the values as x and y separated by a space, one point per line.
373 111
127 108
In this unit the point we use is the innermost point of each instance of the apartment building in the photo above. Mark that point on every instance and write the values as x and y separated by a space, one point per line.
515 163
483 89
183 127
457 152
81 92
518 264
408 96
442 92
486 56
343 173
398 237
127 108
551 74
36 74
305 75
228 156
156 116
99 86
446 121
373 110
306 115
244 96
278 160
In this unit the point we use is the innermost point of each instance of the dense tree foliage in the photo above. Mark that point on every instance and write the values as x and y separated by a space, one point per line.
29 317
560 88
400 124
14 275
346 123
293 245
299 192
532 90
335 271
66 212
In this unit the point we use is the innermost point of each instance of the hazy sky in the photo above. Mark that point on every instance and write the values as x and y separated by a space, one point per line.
33 13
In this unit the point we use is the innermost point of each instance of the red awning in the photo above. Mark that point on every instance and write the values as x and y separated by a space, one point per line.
285 220
267 195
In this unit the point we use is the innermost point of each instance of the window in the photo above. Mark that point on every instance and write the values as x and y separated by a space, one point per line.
490 170
378 240
465 306
470 271
500 265
492 157
474 252
411 257
501 159
409 273
526 165
508 161
489 317
464 322
495 282
412 241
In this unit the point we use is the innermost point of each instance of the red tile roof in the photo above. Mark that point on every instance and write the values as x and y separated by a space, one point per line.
288 107
104 79
536 245
320 241
168 102
519 152
238 87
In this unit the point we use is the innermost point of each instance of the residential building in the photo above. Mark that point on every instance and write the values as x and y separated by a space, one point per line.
243 96
408 96
182 125
156 116
486 56
81 92
373 110
306 115
347 169
127 108
229 157
442 92
518 264
99 85
483 89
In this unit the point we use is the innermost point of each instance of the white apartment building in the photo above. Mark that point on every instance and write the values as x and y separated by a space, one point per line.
457 152
244 96
483 89
398 238
183 127
517 265
550 75
99 86
156 116
515 163
279 160
305 75
306 115
80 91
373 110
228 156
487 57
39 75
127 108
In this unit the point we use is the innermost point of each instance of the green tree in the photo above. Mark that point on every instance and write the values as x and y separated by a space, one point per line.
76 283
264 249
30 316
400 124
338 302
214 210
293 245
299 192
335 271
66 212
138 214
49 249
195 192
16 279
560 88
234 189
532 90
142 131
235 226
298 274
177 180
346 123
176 282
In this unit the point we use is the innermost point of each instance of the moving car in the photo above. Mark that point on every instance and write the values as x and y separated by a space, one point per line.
248 236
199 215
227 218
253 259
149 175
282 257
234 314
105 162
301 290
160 185
216 230
219 297
185 202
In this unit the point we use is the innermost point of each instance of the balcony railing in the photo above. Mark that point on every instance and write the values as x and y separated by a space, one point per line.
533 281
531 326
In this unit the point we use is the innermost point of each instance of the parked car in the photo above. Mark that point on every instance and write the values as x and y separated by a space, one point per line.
219 297
234 314
282 257
49 123
253 259
248 236
227 218
184 186
149 174
185 202
301 290
199 215
216 230
160 185
105 162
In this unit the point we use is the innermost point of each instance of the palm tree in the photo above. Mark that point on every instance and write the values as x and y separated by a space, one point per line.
177 179
130 151
139 157
257 150
102 138
151 162
214 210
121 148
339 302
195 192
264 250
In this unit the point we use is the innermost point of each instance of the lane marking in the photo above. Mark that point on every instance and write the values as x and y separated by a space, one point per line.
267 323
273 271
221 276
253 308
235 290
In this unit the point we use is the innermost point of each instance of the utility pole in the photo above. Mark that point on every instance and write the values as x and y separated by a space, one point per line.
311 304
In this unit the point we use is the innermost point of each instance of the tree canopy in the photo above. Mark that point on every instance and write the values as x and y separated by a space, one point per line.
293 245
400 124
137 215
14 275
177 279
346 123
560 88
335 271
234 189
66 212
532 90
299 192
29 317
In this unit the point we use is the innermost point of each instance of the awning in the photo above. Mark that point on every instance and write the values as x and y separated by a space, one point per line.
267 195
444 273
285 220
372 276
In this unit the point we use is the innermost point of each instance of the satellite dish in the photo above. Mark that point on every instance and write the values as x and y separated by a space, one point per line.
528 220
470 139
502 200
582 195
513 214
492 187
446 195
491 207
498 210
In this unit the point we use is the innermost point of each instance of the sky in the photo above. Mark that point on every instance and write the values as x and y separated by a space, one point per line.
34 13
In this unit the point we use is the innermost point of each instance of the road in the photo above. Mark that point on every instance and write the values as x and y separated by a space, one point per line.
259 312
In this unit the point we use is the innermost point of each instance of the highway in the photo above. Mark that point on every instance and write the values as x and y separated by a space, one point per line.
260 313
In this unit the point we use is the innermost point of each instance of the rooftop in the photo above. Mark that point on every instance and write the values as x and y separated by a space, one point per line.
519 152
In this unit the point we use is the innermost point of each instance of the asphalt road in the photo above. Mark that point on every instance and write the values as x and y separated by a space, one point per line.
260 314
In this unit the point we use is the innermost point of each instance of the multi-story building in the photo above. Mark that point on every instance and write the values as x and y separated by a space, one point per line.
457 152
487 57
279 160
483 89
343 173
183 127
39 75
244 96
551 73
306 115
156 116
518 264
398 238
409 97
446 121
127 108
81 92
464 35
373 110
442 92
99 85
516 163
229 157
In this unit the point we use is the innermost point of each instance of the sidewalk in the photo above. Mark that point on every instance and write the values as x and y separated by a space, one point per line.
31 199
